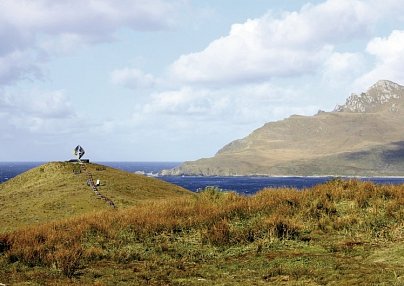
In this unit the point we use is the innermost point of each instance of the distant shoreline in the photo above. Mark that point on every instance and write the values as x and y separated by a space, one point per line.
248 184
114 165
285 177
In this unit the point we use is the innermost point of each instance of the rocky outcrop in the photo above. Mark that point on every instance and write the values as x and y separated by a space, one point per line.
382 95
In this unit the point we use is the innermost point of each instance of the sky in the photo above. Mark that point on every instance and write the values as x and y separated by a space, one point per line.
176 80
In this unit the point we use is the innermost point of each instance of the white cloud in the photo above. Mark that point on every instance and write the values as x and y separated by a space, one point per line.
17 65
389 54
340 68
388 49
62 44
246 105
386 9
133 78
294 44
51 104
42 112
45 27
95 18
184 102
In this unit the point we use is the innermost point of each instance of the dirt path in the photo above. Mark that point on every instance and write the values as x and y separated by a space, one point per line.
90 182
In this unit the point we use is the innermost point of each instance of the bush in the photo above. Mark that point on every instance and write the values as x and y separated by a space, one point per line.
68 259
4 244
283 228
211 193
219 233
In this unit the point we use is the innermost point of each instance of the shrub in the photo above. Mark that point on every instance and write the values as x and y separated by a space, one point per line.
68 259
219 233
211 193
93 253
4 243
283 228
321 207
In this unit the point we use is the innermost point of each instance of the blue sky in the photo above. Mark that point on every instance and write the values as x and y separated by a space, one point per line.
137 80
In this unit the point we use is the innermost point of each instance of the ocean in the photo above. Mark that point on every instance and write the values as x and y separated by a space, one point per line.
244 185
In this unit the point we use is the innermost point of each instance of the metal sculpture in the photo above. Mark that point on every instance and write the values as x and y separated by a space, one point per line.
78 152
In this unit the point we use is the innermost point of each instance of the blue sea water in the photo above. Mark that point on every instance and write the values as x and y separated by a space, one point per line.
9 170
245 185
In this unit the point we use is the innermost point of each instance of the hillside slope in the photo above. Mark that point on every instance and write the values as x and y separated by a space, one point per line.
53 191
328 143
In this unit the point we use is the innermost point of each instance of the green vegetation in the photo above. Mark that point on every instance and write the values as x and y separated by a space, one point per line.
338 233
58 190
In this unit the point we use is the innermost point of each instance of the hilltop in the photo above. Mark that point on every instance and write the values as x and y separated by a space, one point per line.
363 137
57 190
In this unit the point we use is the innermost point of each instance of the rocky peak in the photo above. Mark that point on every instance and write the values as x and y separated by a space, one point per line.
382 95
385 86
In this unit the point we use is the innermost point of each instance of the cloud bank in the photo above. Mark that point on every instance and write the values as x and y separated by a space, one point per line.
389 54
292 44
31 30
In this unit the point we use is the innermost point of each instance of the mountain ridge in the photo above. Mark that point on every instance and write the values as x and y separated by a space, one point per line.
300 145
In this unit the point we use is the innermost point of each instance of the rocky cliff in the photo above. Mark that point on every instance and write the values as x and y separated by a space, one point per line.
382 96
365 136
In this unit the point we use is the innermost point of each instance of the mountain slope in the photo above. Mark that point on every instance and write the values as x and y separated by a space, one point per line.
323 144
53 191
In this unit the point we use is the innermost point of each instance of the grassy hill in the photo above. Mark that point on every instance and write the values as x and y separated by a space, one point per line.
338 233
53 191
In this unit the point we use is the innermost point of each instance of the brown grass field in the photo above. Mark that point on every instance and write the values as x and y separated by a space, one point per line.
337 233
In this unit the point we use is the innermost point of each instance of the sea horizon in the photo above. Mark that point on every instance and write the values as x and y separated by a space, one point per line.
241 184
185 175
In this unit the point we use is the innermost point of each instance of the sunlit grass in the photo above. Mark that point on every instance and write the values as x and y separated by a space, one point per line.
58 190
340 233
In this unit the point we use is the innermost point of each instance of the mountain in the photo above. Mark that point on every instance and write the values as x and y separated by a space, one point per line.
363 137
59 190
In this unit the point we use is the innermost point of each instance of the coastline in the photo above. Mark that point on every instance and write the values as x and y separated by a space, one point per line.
285 176
247 184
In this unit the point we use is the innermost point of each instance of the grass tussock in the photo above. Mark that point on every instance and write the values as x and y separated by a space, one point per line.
307 237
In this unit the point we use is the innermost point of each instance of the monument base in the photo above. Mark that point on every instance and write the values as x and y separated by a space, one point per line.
77 161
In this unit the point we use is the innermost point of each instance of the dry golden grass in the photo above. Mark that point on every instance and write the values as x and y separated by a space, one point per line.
330 224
